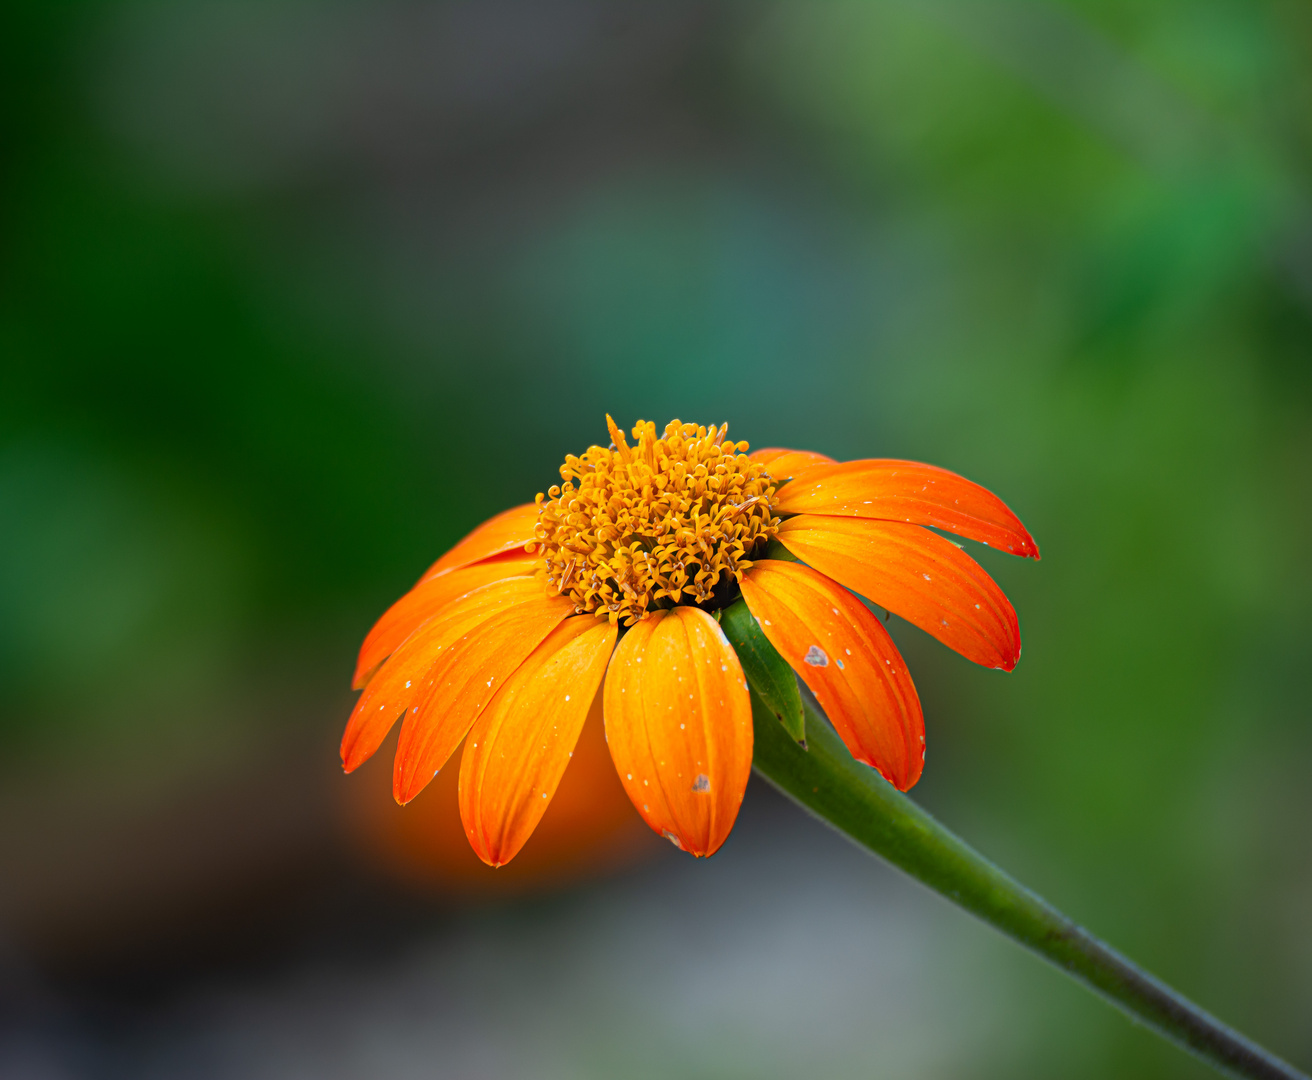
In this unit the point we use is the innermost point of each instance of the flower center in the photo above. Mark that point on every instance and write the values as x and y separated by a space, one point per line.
667 521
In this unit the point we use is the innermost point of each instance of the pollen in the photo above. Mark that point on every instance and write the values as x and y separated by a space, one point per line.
672 519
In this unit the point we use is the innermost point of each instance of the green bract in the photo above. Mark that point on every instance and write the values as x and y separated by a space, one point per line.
767 672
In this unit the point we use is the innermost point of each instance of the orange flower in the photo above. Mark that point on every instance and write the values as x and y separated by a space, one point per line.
617 577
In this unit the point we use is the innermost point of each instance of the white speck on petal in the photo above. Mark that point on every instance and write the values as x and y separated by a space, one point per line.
816 657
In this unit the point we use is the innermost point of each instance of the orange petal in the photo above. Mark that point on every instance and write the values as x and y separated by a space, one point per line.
517 751
783 464
844 654
426 600
396 686
679 726
910 492
463 680
510 529
914 573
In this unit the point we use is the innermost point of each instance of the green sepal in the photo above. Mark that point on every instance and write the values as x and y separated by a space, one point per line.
776 550
767 672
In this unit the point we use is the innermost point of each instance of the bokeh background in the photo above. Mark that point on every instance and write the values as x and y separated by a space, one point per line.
294 294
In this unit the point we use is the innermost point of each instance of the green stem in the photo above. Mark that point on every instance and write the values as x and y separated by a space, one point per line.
855 800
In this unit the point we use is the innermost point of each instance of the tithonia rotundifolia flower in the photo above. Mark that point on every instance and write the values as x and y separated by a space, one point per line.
621 582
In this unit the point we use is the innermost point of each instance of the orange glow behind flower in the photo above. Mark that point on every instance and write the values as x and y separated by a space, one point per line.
589 827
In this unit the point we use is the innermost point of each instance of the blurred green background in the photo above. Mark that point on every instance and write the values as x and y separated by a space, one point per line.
293 295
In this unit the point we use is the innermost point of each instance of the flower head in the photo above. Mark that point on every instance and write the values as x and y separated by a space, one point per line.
610 587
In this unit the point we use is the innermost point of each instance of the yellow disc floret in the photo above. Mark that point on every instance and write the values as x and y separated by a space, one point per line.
663 522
